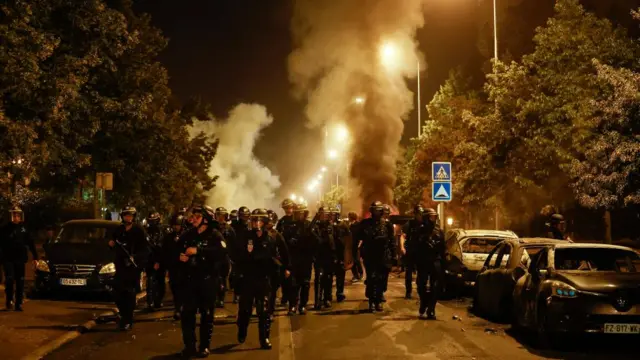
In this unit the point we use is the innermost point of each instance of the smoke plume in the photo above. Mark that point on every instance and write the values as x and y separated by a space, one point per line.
243 180
351 63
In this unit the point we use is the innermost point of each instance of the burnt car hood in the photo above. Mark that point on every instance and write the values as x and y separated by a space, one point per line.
88 254
601 282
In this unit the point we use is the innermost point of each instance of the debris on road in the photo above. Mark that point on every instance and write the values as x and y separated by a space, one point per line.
456 317
490 331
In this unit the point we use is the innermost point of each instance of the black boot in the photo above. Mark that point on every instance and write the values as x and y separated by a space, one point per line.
292 311
9 305
188 352
327 304
235 298
19 307
302 310
203 353
317 296
242 334
340 298
372 306
379 307
264 330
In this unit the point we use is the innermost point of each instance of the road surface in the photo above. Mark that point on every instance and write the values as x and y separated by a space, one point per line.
346 332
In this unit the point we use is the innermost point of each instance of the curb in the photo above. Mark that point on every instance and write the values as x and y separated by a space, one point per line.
54 344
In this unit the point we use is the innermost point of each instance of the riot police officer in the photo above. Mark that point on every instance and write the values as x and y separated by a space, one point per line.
233 216
14 243
222 216
557 227
407 246
340 234
386 213
131 253
324 260
255 262
301 246
203 255
430 249
282 263
284 227
171 248
356 270
156 272
242 228
378 248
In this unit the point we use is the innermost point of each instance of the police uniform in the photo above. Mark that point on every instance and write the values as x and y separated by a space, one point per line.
171 248
131 253
14 243
255 263
324 260
241 228
430 251
282 262
230 239
156 284
201 274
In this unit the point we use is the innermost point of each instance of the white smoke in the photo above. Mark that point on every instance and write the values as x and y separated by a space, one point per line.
242 179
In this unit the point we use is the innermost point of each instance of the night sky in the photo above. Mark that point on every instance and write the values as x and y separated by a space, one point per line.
233 51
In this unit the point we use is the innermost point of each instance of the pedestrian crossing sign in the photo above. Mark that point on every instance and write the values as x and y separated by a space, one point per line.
441 171
441 191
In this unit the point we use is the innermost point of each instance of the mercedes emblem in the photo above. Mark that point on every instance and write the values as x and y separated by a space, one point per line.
74 268
622 303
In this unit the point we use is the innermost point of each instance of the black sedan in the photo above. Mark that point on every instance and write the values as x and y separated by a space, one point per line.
79 258
580 288
505 265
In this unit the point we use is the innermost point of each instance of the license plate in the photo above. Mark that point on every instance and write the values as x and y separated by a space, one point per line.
622 328
73 282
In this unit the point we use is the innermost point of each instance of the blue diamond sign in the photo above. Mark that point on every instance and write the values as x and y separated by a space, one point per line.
441 171
441 191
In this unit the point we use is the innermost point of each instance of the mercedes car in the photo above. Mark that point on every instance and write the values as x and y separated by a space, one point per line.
580 288
79 258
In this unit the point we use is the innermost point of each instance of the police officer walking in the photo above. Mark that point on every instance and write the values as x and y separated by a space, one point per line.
378 248
301 244
356 270
255 263
407 247
429 249
131 252
156 272
282 261
203 257
340 234
324 259
171 249
14 243
222 217
242 228
284 227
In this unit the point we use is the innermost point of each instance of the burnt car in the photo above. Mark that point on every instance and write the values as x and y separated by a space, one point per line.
504 266
580 288
78 259
466 253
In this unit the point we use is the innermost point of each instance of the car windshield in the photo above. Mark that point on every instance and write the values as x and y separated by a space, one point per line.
480 245
84 234
596 259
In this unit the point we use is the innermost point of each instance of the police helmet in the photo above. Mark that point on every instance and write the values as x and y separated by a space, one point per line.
234 213
430 212
208 213
418 210
260 214
177 219
128 210
154 217
15 210
222 211
376 206
386 209
557 219
301 207
287 203
244 211
273 217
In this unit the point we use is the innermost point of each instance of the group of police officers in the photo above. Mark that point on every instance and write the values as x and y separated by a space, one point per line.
207 251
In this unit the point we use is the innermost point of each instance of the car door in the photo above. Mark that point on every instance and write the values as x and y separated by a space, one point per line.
483 281
500 278
532 284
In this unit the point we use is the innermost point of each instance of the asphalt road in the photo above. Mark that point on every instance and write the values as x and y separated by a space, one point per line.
344 332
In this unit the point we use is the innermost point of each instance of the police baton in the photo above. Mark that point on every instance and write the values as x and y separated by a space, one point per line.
127 253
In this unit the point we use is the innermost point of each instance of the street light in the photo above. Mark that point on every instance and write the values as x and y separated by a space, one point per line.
342 133
449 221
293 197
323 169
359 100
312 186
333 154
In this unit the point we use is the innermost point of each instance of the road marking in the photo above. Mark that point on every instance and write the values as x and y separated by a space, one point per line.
285 336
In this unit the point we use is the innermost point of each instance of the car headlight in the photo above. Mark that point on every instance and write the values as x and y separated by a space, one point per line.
42 266
110 268
560 289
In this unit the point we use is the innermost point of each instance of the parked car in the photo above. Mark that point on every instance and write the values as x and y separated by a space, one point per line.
466 253
79 258
580 288
504 266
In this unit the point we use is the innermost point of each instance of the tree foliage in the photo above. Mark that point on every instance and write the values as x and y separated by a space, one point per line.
562 117
81 92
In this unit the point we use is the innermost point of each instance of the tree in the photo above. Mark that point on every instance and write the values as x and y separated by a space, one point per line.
335 196
80 79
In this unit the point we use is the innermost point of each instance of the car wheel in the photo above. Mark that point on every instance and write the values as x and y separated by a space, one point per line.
475 304
543 333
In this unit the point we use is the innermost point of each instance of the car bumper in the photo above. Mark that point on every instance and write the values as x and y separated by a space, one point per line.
52 282
584 315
